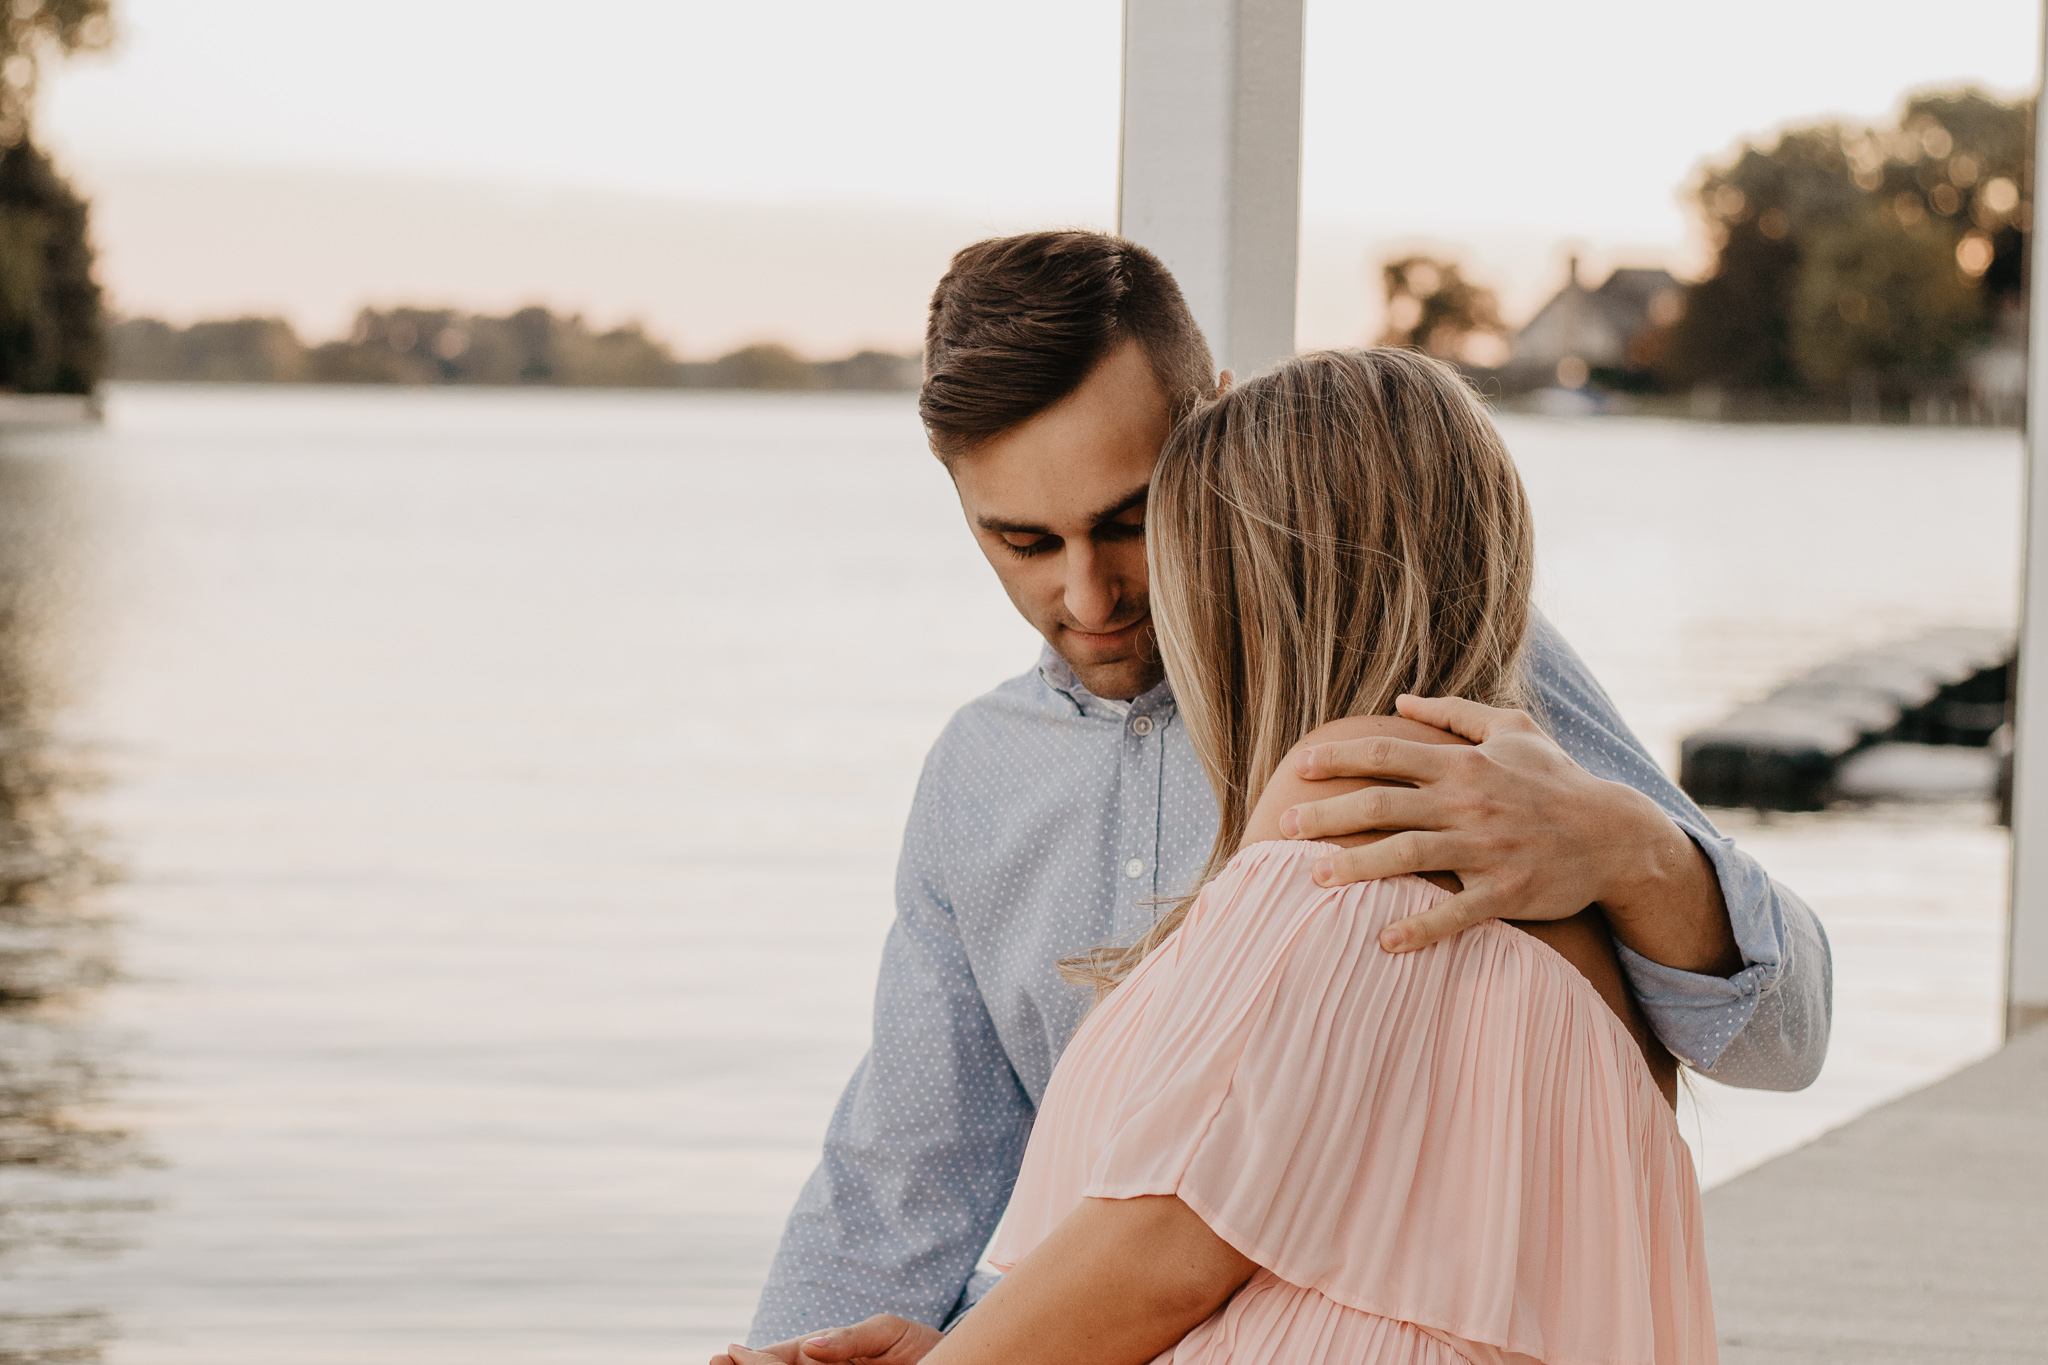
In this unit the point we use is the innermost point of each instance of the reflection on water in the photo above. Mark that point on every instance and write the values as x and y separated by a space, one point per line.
56 948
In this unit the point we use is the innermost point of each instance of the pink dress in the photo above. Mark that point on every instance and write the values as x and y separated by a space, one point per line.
1453 1155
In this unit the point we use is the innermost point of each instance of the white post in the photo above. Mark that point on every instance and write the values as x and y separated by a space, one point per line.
1210 177
2026 962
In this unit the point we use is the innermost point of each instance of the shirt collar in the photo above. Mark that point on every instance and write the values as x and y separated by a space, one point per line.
1056 673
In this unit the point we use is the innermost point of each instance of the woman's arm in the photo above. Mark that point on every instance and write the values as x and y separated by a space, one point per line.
1117 1283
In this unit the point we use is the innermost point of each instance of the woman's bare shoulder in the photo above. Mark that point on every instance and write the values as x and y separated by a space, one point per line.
1287 788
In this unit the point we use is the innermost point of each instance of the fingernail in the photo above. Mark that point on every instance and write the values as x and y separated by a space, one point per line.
819 1341
1305 761
1290 826
1391 940
1323 871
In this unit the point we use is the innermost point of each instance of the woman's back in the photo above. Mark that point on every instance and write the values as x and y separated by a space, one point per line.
1584 940
1446 1155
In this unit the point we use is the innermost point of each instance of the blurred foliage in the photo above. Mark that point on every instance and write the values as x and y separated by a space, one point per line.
530 346
766 366
1871 300
245 350
51 337
1431 307
1853 259
31 31
446 346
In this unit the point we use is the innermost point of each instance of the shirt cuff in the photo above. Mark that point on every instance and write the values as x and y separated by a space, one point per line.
1696 1016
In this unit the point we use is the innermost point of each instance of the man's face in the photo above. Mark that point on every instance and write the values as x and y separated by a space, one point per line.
1058 506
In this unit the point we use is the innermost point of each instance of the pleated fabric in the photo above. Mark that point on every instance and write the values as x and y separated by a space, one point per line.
1458 1150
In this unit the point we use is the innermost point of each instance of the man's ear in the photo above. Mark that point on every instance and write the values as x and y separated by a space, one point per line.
1223 383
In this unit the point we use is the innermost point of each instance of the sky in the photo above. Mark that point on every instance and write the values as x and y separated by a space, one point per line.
800 170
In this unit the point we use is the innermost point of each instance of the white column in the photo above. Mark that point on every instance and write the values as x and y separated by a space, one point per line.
1211 162
2026 970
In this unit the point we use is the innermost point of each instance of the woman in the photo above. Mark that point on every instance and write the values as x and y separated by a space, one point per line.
1273 1141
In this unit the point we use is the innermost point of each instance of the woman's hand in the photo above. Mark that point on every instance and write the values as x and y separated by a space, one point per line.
1529 833
883 1339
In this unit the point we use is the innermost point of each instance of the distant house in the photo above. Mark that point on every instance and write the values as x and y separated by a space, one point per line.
1583 331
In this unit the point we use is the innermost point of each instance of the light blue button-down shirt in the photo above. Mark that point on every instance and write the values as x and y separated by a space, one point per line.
1049 820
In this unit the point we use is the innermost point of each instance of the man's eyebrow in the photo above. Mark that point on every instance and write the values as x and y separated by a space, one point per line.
1004 527
1135 498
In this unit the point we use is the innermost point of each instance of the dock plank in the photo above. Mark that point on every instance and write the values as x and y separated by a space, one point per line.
1918 1232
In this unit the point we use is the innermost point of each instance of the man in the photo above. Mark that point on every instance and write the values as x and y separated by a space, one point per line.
1054 812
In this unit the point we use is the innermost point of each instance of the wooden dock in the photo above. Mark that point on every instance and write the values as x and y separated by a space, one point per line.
1918 1232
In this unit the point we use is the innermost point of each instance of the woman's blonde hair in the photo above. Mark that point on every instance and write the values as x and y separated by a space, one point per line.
1333 533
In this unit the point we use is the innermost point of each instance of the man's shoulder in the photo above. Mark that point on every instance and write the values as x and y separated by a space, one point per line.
1565 688
1587 725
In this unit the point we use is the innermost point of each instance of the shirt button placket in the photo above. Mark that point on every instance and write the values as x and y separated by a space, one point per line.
1138 821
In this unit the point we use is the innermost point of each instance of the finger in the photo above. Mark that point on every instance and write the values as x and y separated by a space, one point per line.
742 1355
1439 922
876 1337
1368 808
1473 720
1397 855
1380 756
845 1343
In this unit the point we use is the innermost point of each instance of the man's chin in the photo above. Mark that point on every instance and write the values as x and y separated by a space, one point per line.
1117 673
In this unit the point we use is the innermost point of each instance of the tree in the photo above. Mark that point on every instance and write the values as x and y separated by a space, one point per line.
51 337
1860 259
1736 328
224 350
1877 304
32 31
764 365
1433 308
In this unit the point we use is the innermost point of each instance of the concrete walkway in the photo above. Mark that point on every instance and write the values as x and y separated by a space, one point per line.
1917 1233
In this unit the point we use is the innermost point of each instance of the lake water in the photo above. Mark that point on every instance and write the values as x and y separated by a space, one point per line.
505 788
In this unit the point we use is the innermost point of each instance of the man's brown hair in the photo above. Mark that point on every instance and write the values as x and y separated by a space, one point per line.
1018 322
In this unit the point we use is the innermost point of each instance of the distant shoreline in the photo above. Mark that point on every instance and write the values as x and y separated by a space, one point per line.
530 348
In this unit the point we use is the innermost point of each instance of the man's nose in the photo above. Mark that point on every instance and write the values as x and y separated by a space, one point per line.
1092 591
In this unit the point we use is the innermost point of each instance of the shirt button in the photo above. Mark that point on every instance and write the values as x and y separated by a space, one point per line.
1141 727
1135 868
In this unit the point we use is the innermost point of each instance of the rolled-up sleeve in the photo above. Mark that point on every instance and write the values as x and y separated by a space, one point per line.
925 1142
1764 1028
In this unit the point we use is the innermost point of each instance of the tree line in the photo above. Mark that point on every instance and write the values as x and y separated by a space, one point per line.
1851 262
447 346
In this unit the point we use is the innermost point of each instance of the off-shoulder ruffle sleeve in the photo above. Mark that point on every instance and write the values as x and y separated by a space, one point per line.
1463 1138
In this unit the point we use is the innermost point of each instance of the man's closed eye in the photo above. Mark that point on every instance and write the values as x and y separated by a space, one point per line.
1027 544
